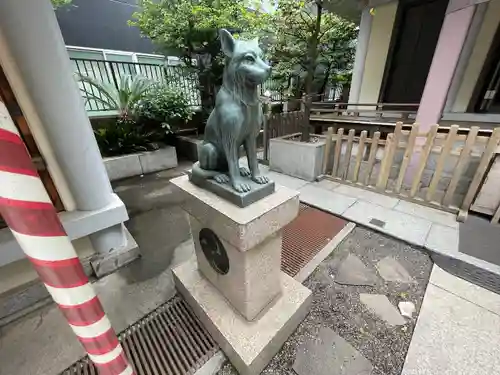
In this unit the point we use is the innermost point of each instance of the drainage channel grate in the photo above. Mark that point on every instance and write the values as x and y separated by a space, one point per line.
170 340
305 236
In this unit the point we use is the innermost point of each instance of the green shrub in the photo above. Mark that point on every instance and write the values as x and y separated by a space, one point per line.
125 136
164 110
124 98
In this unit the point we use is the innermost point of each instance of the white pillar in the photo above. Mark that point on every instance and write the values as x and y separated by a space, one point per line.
31 30
365 27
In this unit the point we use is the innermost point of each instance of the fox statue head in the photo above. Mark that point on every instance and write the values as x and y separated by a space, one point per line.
244 68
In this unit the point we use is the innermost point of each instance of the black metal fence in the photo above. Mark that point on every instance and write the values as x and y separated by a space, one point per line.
110 72
175 77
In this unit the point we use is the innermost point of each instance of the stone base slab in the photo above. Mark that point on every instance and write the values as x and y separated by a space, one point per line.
248 345
226 191
104 264
253 278
244 228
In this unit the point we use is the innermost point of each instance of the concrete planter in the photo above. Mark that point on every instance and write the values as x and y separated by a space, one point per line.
119 167
187 147
295 158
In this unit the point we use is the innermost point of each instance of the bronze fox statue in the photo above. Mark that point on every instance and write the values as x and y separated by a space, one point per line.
237 117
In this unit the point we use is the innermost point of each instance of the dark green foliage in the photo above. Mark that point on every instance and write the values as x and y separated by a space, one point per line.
156 117
163 110
313 46
190 30
60 3
125 137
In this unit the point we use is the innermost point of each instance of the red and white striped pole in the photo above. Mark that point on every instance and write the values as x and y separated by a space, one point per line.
33 220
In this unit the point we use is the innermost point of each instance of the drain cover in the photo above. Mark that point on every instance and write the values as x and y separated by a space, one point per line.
377 222
305 236
170 340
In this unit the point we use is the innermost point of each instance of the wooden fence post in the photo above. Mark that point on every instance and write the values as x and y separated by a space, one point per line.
423 159
481 169
371 157
445 151
328 147
384 165
407 156
391 148
338 152
462 161
348 152
359 156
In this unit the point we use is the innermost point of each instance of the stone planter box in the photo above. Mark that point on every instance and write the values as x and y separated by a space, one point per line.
187 147
119 167
295 158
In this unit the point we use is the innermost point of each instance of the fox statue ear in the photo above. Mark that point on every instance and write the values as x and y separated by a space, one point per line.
227 42
255 41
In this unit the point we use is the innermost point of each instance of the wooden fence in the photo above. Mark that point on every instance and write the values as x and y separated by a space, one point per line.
447 174
281 124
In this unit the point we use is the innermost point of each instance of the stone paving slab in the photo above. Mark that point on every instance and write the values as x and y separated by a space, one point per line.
466 290
431 214
383 308
329 354
400 225
326 184
325 199
368 196
442 238
288 181
453 337
391 270
352 271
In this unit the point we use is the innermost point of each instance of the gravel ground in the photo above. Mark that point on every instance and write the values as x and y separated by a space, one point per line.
338 306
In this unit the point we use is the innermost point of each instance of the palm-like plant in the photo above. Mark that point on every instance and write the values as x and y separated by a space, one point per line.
122 98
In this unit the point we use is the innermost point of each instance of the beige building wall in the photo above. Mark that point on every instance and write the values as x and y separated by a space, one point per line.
378 47
478 56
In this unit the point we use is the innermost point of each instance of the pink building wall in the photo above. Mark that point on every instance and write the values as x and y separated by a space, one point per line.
451 40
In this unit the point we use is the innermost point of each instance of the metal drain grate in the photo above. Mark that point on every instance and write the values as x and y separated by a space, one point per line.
305 236
168 341
469 272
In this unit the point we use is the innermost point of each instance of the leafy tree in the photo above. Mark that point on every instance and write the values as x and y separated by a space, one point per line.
311 43
189 29
59 3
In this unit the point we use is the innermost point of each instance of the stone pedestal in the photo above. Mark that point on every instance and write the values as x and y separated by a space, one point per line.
235 285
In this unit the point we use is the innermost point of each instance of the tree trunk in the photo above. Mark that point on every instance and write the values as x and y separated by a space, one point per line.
312 54
311 67
207 91
325 79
